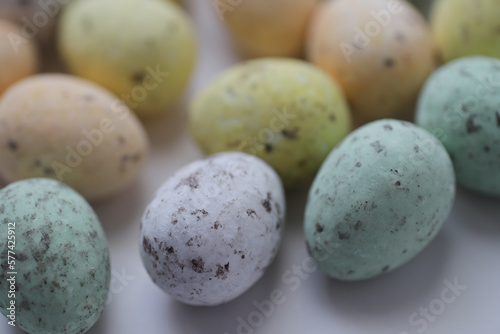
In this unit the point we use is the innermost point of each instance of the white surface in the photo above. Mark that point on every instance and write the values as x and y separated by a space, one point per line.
467 249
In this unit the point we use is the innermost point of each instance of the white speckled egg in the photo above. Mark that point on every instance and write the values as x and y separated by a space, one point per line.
213 228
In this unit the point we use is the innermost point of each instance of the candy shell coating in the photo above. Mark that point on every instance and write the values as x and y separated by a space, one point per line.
460 105
213 228
466 28
144 53
379 198
379 51
67 128
284 111
19 60
269 28
62 258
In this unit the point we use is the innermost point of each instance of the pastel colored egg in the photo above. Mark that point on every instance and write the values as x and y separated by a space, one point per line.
286 112
55 270
460 105
213 228
67 128
380 51
265 28
17 56
466 28
144 53
378 200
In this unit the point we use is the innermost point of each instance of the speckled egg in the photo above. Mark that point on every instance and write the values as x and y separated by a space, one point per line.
59 257
144 52
380 52
66 128
264 28
380 197
460 105
17 56
466 28
213 228
37 18
286 112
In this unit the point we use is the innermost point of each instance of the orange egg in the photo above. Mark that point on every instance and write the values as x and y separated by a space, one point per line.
380 51
18 56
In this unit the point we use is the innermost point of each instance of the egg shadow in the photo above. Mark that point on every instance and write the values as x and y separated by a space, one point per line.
165 129
295 207
478 213
15 330
223 318
118 212
407 285
101 325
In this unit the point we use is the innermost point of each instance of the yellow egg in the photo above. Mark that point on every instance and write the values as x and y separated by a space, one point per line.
380 51
18 56
285 111
67 128
465 28
143 51
267 27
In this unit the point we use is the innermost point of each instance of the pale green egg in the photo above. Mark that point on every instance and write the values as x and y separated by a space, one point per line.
59 260
460 104
287 112
378 200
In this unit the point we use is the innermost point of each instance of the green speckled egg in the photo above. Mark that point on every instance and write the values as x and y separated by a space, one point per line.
287 112
460 104
466 28
61 258
379 198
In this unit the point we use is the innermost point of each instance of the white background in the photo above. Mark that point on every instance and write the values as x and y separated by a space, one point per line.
466 250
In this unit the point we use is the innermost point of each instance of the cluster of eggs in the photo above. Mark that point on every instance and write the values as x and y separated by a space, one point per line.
379 194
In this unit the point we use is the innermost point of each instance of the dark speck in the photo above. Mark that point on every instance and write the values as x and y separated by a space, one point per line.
198 265
268 148
251 213
487 149
332 117
266 203
389 62
138 77
48 171
319 228
398 183
358 226
344 236
377 146
358 164
416 148
12 145
290 134
498 118
385 268
470 126
388 127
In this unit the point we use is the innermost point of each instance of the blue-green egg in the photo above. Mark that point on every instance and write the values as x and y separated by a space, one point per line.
55 272
378 200
460 105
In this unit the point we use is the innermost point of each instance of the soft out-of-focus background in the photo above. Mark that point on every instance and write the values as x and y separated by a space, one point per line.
451 287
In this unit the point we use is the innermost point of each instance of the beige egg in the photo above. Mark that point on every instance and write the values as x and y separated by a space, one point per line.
18 56
380 51
264 28
66 128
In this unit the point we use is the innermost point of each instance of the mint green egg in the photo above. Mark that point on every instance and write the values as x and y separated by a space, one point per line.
460 104
54 249
378 200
